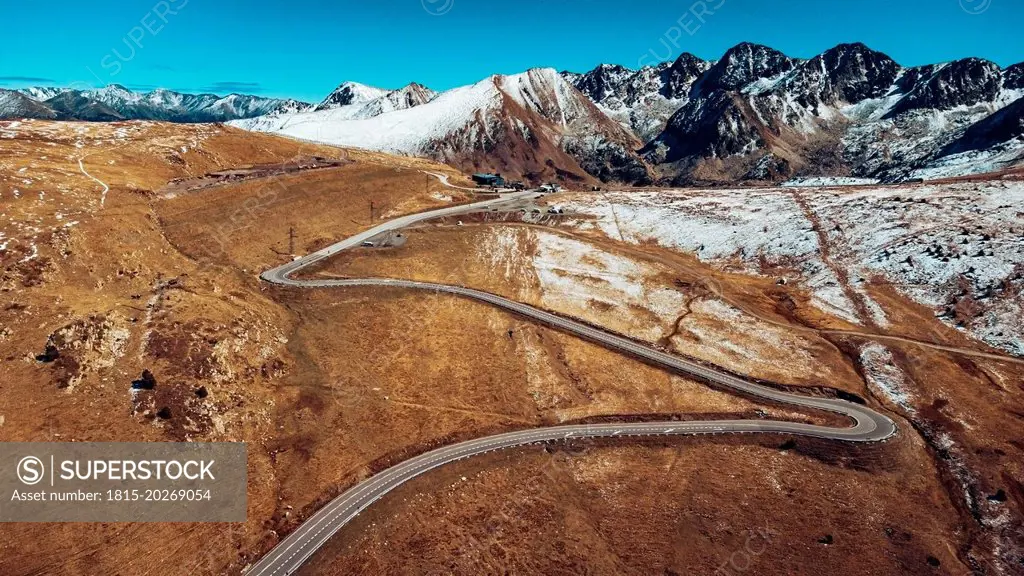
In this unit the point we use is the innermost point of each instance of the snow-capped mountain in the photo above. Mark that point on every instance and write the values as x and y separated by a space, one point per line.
72 105
533 124
41 93
644 99
349 94
115 102
350 101
14 104
753 114
758 114
357 101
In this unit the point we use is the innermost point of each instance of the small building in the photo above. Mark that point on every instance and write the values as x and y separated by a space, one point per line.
492 180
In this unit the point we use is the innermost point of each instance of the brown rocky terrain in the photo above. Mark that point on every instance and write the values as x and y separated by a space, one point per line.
142 283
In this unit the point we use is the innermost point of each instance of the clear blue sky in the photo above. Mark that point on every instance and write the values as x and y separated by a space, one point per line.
303 49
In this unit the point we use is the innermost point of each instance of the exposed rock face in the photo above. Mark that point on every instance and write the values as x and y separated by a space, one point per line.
680 76
744 64
642 100
848 111
84 346
848 73
1014 77
961 83
604 82
712 126
995 130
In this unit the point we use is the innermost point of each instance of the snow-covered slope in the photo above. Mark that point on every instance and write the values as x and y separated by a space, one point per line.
953 248
534 124
403 131
14 104
350 101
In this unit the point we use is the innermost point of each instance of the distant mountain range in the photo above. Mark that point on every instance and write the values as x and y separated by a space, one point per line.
756 114
116 102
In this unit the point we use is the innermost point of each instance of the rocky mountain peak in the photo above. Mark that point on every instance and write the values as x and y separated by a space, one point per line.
1013 77
348 93
603 81
680 76
744 64
413 94
963 82
848 73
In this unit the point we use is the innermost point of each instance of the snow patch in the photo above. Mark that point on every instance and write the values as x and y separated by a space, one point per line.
882 375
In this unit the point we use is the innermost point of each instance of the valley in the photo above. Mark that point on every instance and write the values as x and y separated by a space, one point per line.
528 288
330 387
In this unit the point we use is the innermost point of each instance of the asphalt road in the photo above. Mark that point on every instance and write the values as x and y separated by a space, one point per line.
294 550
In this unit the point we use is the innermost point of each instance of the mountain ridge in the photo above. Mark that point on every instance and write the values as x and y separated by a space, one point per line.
757 112
115 102
754 114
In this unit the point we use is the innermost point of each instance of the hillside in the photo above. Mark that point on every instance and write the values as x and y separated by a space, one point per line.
534 125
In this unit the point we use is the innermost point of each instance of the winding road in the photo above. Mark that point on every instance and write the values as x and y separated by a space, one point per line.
297 547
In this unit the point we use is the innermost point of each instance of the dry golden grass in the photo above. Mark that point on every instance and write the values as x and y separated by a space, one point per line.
674 507
329 386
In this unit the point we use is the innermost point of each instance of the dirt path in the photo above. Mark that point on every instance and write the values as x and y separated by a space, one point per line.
473 412
103 194
841 273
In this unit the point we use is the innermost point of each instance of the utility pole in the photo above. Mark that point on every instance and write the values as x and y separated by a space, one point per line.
291 240
371 211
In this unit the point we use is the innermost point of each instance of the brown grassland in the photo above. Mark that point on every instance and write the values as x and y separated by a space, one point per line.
330 386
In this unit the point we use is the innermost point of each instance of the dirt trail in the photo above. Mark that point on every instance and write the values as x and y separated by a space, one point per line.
841 273
103 194
471 412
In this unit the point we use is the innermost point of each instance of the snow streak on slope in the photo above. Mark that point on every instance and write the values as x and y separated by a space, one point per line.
954 248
